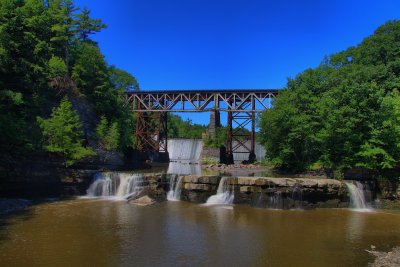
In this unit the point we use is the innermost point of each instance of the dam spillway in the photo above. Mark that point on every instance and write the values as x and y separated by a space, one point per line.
191 150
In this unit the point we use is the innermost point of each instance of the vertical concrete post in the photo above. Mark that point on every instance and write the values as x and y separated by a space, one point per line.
215 123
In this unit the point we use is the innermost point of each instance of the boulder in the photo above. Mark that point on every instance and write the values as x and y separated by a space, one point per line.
142 201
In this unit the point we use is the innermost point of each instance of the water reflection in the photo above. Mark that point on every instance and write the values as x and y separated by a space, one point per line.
355 225
104 233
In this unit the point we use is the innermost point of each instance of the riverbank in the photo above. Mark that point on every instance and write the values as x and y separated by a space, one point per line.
386 259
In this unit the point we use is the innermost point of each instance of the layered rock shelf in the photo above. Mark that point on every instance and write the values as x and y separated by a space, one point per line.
263 192
279 193
197 188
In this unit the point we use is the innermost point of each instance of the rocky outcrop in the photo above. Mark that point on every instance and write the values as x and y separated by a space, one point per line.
155 186
198 188
279 193
142 201
287 193
386 259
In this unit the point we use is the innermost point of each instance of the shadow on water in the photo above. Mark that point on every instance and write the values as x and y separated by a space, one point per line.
22 210
7 219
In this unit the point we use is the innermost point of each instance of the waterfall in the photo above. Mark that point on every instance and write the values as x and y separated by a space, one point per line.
184 168
185 156
185 149
225 193
115 185
275 201
297 196
175 185
357 197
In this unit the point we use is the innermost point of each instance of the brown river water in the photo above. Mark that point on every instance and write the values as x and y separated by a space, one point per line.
111 233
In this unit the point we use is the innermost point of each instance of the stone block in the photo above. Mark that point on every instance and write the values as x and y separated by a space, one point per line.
248 189
201 179
197 187
209 179
246 180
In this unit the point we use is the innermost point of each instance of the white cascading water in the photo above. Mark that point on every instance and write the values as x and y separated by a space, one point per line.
357 197
175 185
184 168
225 193
185 156
115 185
185 149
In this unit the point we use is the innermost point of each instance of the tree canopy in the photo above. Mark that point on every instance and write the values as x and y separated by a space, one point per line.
342 114
46 53
63 133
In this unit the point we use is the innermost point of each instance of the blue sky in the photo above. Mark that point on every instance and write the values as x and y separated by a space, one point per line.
194 44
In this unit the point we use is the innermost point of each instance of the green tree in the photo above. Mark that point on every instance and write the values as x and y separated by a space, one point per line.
108 135
57 67
61 13
122 80
179 128
45 52
342 114
85 25
113 136
63 134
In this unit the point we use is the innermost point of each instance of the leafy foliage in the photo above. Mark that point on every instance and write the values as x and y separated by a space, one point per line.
219 140
86 26
178 128
57 67
46 45
63 133
108 135
342 114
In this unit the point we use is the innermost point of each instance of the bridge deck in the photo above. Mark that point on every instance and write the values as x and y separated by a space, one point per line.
234 100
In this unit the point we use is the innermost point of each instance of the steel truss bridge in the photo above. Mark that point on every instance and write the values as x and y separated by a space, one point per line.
241 105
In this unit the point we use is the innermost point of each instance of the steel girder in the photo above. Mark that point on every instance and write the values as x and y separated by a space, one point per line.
151 132
241 105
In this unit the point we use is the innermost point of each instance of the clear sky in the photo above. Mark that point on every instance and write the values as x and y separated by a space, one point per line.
207 44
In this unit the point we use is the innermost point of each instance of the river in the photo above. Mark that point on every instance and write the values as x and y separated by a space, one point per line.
90 232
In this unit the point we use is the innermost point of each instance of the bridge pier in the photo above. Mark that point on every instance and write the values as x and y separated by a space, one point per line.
240 139
151 135
152 107
215 123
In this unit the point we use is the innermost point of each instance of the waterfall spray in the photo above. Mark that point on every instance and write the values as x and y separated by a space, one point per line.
115 185
357 196
175 185
225 193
